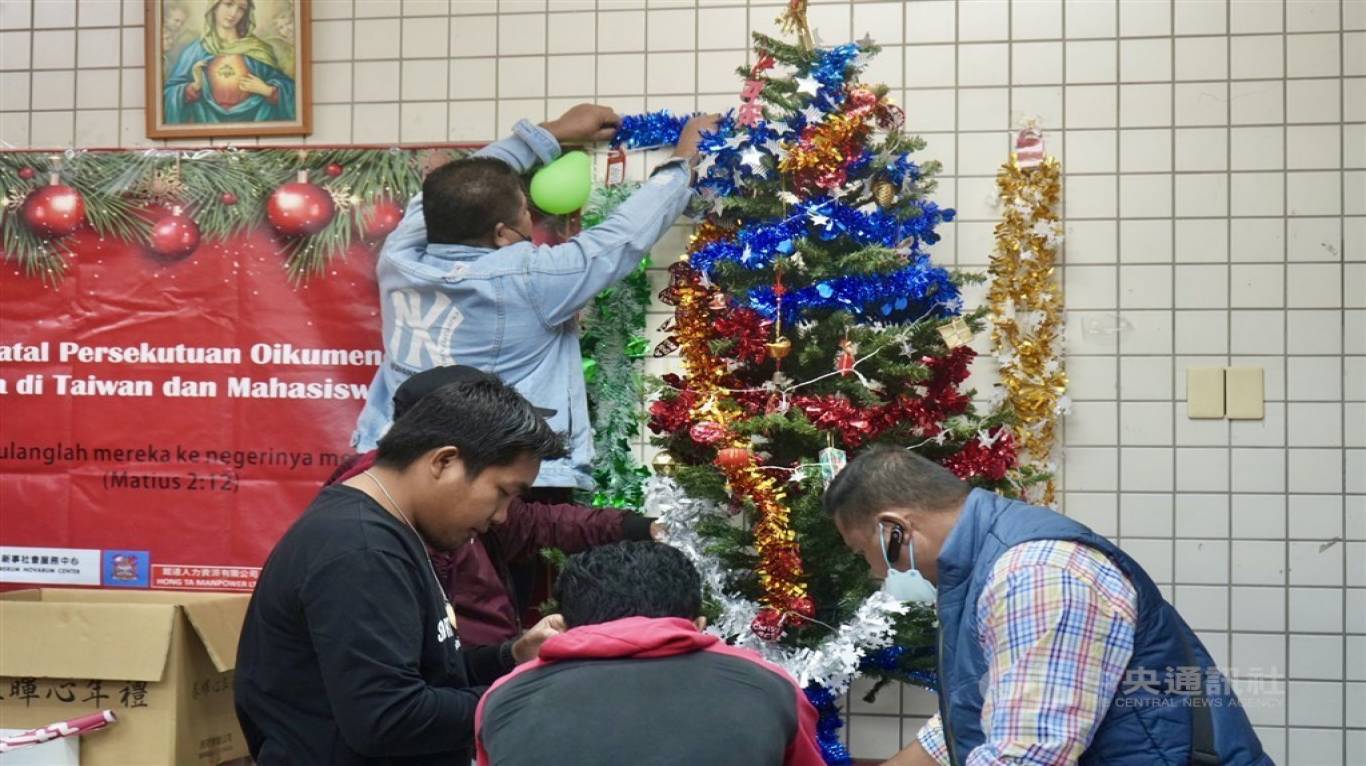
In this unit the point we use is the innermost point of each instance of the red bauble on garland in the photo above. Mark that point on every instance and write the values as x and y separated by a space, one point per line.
380 219
27 173
55 210
734 458
333 170
228 198
299 209
175 236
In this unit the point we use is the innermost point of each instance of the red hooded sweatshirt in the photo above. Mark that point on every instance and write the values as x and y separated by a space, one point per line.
646 690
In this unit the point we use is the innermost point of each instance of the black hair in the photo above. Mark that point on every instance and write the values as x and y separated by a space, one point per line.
892 477
487 420
628 579
463 200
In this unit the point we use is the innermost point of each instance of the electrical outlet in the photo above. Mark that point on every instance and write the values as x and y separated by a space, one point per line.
1204 392
1246 393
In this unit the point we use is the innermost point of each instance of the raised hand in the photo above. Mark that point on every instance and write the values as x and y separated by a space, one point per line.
583 124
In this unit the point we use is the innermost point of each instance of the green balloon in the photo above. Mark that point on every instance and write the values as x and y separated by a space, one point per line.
563 185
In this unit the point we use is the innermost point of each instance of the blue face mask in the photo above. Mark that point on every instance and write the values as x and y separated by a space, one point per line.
910 585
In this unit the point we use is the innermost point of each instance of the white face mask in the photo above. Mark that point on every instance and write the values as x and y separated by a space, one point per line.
909 586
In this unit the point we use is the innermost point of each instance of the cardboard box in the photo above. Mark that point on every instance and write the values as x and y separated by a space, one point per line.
161 660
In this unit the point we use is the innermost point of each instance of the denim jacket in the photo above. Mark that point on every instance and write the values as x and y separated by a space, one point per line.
511 311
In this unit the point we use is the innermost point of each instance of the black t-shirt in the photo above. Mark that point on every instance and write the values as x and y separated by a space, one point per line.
347 656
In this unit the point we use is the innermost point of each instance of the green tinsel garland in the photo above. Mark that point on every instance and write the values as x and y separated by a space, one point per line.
614 346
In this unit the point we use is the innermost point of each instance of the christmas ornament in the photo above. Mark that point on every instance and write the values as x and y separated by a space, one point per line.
718 302
616 166
300 208
342 199
333 169
768 624
780 348
734 458
845 359
663 464
174 236
27 173
163 187
563 186
956 333
884 193
55 210
707 433
228 198
382 217
832 461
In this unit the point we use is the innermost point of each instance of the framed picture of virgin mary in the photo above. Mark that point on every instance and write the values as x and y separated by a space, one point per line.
222 68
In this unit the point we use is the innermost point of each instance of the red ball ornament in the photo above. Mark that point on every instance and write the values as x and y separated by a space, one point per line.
175 236
381 219
768 625
55 210
734 458
27 173
228 198
299 208
334 170
707 433
803 605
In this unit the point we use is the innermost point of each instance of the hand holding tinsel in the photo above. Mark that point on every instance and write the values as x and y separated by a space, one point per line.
650 130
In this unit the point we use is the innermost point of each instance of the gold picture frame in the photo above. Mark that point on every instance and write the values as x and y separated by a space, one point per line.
228 68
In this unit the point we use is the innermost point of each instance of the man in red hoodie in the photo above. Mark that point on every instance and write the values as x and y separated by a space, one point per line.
636 681
477 576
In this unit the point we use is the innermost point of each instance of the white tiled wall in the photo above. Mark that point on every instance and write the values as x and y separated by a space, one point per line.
1215 153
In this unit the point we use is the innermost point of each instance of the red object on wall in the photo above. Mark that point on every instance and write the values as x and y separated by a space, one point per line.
299 208
198 461
55 210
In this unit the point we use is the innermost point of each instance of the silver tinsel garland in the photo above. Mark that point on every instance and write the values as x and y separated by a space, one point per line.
833 664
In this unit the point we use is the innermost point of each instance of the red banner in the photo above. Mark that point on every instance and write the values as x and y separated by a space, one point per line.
173 416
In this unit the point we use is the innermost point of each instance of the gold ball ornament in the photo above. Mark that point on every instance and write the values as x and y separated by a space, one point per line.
885 193
664 464
780 348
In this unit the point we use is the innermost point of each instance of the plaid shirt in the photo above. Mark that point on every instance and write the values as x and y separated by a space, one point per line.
1057 621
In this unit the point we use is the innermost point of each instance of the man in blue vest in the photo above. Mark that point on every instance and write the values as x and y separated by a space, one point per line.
1055 647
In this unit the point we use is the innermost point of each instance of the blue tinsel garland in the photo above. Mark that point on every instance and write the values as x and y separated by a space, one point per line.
828 725
643 131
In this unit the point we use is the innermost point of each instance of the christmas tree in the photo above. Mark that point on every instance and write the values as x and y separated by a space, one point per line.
811 324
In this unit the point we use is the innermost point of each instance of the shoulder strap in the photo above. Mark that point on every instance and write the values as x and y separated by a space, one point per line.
1203 751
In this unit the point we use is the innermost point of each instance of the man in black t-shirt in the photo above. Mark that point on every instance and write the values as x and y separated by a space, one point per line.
350 652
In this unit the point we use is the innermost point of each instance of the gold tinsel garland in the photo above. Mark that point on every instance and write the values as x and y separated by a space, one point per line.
1026 310
779 569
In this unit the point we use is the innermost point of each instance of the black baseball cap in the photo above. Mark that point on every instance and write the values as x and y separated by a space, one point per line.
417 386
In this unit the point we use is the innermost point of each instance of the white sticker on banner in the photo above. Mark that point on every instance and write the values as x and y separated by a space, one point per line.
49 566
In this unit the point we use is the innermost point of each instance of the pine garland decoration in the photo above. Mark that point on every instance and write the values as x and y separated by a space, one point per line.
114 187
613 346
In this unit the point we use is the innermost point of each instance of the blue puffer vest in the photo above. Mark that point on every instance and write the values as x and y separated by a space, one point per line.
1148 727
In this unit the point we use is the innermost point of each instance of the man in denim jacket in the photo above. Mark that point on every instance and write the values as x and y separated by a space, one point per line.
461 282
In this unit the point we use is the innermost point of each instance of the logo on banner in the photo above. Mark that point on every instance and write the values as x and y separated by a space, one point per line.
127 569
192 577
49 566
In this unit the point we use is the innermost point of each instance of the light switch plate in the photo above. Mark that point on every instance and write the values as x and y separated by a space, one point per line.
1204 392
1246 393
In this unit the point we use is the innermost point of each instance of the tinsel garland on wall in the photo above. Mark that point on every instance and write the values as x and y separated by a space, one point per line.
1026 304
